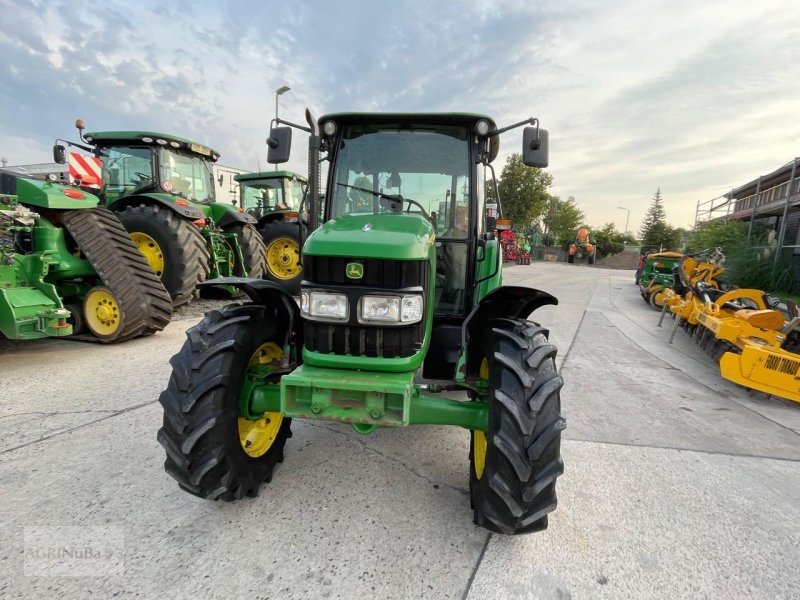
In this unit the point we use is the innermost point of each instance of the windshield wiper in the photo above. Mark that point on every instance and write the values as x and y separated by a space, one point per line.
390 197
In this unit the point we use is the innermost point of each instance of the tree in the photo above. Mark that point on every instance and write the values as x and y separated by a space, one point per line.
655 231
523 191
610 241
561 219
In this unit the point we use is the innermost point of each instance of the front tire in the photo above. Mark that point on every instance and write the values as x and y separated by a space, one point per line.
207 451
515 464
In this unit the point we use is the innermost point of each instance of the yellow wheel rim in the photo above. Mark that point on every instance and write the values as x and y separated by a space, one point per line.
102 313
151 251
257 437
283 258
479 437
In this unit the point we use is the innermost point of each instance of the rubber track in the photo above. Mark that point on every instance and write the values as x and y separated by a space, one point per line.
144 303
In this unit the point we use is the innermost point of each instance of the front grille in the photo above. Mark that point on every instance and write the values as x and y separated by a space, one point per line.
354 338
363 340
378 273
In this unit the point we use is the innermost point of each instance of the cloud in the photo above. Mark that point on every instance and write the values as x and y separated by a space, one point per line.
694 98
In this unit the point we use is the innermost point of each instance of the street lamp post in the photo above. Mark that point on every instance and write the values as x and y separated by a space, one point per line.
627 217
278 93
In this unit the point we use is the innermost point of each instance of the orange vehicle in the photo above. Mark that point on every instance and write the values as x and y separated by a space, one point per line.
582 247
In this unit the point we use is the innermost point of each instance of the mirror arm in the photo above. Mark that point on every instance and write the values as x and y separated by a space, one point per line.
531 121
76 145
290 124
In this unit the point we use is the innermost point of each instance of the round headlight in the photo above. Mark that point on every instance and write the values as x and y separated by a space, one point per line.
147 140
162 142
329 128
175 144
482 127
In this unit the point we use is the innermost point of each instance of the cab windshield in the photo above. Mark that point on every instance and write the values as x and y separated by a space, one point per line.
189 174
262 197
426 165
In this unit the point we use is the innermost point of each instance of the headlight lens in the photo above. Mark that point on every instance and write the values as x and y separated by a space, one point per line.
391 309
380 308
411 311
324 305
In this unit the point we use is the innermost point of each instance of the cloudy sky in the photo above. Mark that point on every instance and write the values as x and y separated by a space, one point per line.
692 97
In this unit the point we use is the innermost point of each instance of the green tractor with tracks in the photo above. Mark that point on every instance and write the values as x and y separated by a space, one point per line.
273 198
162 188
401 299
69 269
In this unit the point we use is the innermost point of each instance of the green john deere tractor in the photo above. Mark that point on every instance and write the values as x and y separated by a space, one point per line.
69 268
162 188
274 199
402 298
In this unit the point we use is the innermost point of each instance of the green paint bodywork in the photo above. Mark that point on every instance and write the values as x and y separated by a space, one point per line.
657 272
33 286
400 237
44 194
261 175
117 138
372 399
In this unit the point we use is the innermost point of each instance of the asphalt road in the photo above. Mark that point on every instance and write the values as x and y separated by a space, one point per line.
677 484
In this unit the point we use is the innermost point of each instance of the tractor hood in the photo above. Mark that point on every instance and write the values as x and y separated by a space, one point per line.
395 236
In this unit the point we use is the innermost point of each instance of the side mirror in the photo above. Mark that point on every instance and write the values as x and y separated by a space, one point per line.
280 145
221 179
535 148
59 154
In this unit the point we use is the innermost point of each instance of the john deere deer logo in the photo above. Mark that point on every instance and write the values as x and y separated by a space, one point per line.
354 270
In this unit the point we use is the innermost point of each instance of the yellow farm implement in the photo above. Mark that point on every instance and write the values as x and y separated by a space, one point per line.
753 343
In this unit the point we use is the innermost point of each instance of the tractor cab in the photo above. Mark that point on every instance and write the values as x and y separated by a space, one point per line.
135 162
265 193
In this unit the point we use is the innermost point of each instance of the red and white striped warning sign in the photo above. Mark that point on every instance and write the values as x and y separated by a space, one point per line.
86 171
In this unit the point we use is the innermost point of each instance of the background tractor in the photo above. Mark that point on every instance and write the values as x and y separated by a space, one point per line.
68 268
582 247
273 198
402 281
162 188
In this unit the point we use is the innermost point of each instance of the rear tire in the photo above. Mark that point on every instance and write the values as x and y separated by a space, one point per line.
570 258
515 491
182 245
591 258
282 242
201 407
253 250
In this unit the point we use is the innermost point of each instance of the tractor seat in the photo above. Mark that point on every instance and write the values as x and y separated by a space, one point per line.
763 319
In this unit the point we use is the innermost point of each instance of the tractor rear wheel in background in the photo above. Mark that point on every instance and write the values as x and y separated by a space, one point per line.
591 257
570 258
173 247
282 242
253 250
514 465
212 452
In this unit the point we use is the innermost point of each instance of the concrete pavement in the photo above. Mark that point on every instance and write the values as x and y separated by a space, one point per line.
677 483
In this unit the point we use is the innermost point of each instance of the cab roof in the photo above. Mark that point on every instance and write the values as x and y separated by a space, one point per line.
113 138
439 118
268 175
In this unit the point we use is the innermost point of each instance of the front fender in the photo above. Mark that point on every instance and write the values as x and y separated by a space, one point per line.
506 301
224 215
268 293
